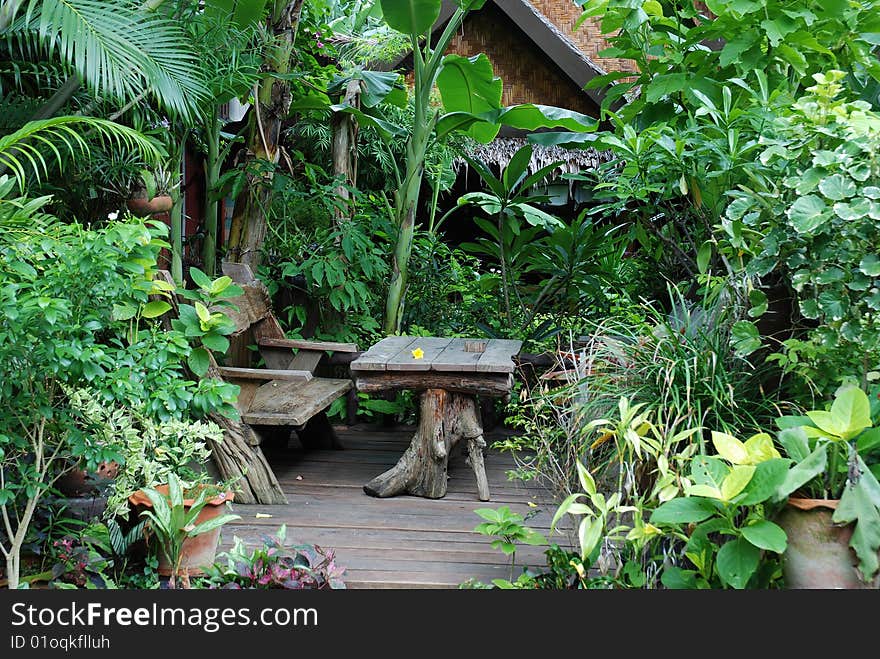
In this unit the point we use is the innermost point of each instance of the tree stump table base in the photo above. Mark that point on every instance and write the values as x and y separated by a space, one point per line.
446 418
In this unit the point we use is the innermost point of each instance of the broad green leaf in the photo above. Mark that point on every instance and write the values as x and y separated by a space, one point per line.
860 503
668 84
586 479
470 85
850 211
730 448
248 13
126 312
850 414
220 284
565 140
676 578
211 524
414 17
386 129
869 441
216 343
807 213
683 511
538 218
792 421
202 312
760 448
803 472
737 561
709 470
704 490
870 265
200 278
745 338
560 511
758 302
489 203
155 309
736 481
517 167
199 361
837 187
526 117
767 479
589 534
764 534
704 255
244 13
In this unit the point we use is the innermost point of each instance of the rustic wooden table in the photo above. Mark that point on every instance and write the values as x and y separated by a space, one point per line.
450 373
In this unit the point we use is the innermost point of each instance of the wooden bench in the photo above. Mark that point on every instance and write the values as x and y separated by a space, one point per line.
282 396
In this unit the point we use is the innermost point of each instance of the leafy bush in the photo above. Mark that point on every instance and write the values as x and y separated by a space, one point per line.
679 364
276 564
819 226
148 451
334 275
62 287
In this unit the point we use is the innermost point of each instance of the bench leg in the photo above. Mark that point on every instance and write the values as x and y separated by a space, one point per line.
319 433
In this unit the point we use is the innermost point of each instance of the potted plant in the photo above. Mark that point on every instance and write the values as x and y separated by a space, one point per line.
832 516
153 192
184 525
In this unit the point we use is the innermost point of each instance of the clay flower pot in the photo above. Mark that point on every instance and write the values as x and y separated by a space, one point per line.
143 207
199 551
82 483
818 553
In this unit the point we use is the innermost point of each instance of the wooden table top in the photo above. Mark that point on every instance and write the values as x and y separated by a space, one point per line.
395 353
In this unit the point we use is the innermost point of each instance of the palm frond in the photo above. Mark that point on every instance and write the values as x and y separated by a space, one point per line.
26 149
117 50
31 74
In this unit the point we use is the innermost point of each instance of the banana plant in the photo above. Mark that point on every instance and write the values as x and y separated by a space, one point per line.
471 104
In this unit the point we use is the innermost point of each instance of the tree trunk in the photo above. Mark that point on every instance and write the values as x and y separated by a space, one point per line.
273 98
446 418
344 149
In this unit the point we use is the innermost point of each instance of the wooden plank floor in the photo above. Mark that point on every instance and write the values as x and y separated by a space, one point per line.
401 542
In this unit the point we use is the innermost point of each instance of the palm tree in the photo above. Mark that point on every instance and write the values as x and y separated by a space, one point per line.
116 50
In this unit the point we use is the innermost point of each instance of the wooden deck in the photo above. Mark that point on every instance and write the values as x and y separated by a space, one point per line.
400 542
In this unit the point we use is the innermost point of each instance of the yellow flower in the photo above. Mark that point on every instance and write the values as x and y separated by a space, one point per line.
418 353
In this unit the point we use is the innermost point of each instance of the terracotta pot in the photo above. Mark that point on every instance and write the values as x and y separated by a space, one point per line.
818 554
82 483
143 207
197 552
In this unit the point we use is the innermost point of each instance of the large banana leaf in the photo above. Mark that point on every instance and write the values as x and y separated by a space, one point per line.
468 84
527 116
411 16
244 13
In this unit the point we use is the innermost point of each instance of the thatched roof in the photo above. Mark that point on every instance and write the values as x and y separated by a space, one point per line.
499 152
